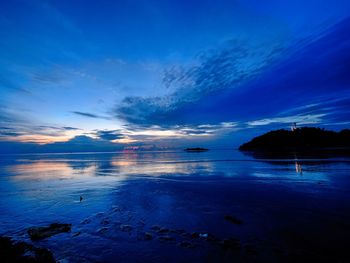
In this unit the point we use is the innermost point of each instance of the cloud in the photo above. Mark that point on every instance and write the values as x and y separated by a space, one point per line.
80 143
9 117
214 71
9 84
67 128
54 76
299 119
158 133
270 86
89 115
334 110
9 133
58 128
15 127
109 135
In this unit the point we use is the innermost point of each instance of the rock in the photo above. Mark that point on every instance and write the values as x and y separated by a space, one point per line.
166 238
117 223
155 227
99 214
85 221
195 235
117 209
44 255
163 230
76 234
148 236
126 228
212 238
145 236
130 216
63 261
203 235
105 222
37 233
233 220
103 230
186 235
141 222
278 251
206 236
186 244
179 231
197 149
12 251
251 250
230 244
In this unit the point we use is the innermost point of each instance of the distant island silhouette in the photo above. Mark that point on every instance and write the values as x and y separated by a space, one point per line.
300 140
198 149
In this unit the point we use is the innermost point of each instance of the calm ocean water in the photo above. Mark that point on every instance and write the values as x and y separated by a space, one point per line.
288 208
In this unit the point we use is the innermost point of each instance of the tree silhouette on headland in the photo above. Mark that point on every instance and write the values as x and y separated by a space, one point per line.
305 138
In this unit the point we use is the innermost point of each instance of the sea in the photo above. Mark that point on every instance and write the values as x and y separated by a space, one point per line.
177 206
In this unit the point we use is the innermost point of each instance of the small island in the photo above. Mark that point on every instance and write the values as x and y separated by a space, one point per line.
198 149
303 139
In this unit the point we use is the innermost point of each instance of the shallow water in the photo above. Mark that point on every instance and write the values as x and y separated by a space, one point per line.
290 209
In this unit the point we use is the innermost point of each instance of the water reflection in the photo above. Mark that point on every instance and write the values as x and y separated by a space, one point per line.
48 170
298 167
103 170
121 165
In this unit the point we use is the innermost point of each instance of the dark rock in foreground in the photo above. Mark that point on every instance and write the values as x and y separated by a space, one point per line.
21 252
196 149
187 244
230 244
166 238
37 233
145 236
301 139
233 220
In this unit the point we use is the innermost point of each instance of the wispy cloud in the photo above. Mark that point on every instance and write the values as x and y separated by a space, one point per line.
231 84
70 128
109 135
15 127
300 119
9 133
216 70
89 115
149 133
6 83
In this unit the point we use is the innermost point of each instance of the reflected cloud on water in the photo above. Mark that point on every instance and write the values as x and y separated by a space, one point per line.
118 166
99 170
48 170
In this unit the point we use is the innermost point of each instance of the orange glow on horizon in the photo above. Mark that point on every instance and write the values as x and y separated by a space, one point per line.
39 139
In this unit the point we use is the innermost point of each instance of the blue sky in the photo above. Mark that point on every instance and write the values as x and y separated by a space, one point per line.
171 73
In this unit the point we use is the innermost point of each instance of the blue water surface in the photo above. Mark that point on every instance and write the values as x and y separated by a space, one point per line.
286 208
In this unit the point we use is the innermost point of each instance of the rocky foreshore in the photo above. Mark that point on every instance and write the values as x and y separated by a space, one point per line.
12 250
22 252
37 233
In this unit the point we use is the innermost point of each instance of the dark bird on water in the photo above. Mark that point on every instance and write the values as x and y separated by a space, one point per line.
81 198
